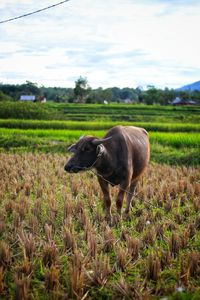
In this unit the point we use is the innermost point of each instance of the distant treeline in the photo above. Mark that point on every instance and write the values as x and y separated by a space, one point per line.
85 94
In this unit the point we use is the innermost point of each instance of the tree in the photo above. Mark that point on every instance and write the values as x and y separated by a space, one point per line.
184 95
99 96
168 95
195 96
4 97
30 88
128 93
81 89
107 95
140 94
116 92
153 95
11 90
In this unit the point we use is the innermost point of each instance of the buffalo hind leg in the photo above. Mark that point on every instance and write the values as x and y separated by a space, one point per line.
129 198
106 198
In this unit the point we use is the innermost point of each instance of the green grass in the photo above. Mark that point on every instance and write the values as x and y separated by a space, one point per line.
111 112
173 156
173 148
176 139
20 110
174 131
123 112
94 125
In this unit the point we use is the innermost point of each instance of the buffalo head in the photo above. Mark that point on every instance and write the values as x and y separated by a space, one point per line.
86 152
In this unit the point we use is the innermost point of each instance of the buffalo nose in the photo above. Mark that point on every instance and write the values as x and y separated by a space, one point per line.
67 167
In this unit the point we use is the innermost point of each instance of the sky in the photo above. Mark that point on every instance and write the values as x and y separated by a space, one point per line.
123 43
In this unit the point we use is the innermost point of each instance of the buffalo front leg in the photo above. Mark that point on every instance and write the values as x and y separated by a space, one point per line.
129 197
120 197
106 198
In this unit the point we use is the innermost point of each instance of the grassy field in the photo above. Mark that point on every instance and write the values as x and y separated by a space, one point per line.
96 125
54 241
173 143
89 112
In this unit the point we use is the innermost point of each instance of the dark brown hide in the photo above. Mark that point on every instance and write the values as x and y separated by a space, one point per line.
122 160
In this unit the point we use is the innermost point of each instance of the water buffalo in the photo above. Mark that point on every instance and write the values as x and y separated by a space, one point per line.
119 158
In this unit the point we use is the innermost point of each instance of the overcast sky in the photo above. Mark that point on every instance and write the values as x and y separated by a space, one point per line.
124 43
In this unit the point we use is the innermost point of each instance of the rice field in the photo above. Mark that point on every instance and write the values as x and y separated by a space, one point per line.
94 112
96 125
55 243
183 145
54 240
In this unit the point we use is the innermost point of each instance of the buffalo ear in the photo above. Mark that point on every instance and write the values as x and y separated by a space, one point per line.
100 150
97 142
72 148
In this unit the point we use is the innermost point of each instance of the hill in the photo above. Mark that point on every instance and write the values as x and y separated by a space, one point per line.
190 87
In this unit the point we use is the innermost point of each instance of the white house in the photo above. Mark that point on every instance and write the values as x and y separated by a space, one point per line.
179 101
27 98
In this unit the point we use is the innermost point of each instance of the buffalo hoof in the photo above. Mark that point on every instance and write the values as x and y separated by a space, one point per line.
126 216
109 220
117 219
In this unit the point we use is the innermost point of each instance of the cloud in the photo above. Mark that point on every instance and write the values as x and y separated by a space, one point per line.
120 43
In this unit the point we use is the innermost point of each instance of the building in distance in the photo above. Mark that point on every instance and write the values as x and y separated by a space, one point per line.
27 98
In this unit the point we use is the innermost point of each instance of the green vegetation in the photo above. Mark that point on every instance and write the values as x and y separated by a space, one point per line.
4 97
94 125
122 112
173 148
89 112
83 93
174 132
22 110
177 140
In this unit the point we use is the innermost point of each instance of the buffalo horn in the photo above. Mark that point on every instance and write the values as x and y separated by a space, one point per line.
97 142
72 148
82 136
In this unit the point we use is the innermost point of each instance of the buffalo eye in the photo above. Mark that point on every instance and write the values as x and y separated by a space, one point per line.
87 148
